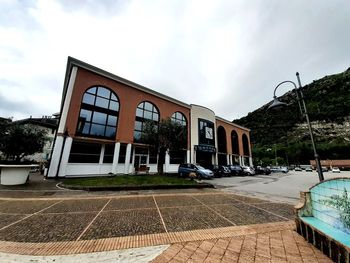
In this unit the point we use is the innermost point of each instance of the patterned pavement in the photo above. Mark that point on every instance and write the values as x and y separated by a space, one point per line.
275 246
58 220
209 227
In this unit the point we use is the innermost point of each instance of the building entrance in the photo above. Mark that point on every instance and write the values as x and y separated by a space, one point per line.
204 158
140 160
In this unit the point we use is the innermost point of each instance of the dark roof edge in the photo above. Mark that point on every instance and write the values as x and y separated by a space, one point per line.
75 62
232 123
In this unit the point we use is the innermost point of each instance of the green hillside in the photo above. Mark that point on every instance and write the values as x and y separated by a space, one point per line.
328 104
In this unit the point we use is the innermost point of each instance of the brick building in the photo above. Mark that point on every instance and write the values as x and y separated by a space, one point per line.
101 123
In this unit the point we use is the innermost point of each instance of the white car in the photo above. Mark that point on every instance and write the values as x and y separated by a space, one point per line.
248 170
335 170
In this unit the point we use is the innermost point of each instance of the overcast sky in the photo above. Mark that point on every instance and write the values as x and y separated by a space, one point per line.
225 55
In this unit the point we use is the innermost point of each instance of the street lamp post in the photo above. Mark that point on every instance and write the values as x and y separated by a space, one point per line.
276 104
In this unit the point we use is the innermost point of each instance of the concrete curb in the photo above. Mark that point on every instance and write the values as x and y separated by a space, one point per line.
126 187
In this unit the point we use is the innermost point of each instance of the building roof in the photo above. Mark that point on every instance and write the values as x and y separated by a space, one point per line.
46 122
232 123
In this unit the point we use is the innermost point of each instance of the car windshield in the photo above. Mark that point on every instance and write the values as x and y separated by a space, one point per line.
200 167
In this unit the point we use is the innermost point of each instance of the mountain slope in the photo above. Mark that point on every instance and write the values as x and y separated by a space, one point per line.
328 104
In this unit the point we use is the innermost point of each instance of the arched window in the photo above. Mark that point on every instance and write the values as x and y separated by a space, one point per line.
222 140
245 145
144 111
179 118
234 142
98 115
222 150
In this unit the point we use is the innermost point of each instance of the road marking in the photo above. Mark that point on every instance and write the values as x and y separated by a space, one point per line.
30 215
86 228
161 217
214 211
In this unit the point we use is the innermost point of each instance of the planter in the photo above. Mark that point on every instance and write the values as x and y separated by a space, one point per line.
15 174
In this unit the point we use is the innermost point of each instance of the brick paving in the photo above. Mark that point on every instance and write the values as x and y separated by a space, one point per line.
209 227
276 246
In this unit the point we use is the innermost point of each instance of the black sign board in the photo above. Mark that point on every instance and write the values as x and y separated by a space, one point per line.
205 148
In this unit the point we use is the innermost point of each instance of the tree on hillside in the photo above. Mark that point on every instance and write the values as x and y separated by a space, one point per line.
166 135
17 141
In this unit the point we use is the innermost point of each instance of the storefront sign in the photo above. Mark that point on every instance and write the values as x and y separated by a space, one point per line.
205 148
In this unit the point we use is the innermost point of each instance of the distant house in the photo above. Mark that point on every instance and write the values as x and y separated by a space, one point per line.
49 124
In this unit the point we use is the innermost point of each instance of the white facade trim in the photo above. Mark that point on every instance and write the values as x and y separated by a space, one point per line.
127 158
55 158
65 156
115 157
67 100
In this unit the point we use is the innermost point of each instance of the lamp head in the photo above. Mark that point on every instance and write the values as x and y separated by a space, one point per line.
276 104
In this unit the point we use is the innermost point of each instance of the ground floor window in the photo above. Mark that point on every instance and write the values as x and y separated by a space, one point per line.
205 159
246 161
83 152
153 155
177 157
222 159
109 153
235 159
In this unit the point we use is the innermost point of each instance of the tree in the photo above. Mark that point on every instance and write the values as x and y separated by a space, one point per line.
166 135
18 141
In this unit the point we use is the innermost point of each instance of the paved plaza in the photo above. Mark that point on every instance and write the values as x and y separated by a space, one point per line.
44 224
54 220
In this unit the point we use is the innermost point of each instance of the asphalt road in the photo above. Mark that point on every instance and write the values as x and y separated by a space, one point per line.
276 187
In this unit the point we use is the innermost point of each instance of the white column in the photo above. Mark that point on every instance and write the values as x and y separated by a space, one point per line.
250 161
194 161
102 154
231 161
228 159
216 159
188 157
127 158
55 158
115 157
167 161
65 157
240 160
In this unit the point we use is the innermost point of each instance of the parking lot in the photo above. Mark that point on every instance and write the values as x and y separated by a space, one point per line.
278 187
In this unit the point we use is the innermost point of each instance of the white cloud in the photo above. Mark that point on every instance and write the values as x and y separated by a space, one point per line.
226 55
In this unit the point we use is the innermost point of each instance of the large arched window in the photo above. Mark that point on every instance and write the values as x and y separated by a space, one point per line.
179 156
98 115
234 142
222 149
179 118
245 145
145 111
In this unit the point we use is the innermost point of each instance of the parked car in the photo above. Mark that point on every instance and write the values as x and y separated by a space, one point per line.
324 169
308 169
187 168
279 169
226 170
298 169
236 169
219 170
248 170
262 170
335 170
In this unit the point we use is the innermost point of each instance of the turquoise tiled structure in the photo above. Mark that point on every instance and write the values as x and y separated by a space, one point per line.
323 217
